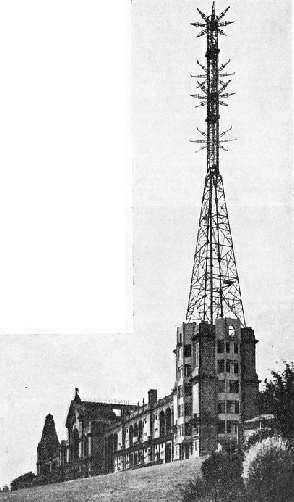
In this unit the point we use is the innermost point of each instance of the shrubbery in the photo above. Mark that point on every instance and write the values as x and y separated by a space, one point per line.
265 473
221 477
269 471
24 481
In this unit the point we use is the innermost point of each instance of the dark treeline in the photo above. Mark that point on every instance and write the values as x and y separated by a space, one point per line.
23 481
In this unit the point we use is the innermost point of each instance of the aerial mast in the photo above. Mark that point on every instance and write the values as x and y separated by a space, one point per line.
215 290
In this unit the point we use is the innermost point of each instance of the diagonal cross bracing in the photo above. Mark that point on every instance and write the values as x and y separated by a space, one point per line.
215 290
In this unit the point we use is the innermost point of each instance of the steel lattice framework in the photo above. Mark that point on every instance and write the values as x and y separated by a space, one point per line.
215 290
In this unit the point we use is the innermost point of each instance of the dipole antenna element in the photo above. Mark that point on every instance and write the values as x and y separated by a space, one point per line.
215 289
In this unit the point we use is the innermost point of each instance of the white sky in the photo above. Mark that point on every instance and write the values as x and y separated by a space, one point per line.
62 190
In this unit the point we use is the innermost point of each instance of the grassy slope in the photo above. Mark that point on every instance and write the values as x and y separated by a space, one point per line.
153 484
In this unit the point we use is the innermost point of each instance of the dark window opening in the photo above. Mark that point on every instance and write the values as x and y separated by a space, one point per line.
187 370
228 347
234 386
168 421
188 389
136 430
220 346
221 386
232 427
188 409
233 406
220 366
187 350
221 407
188 429
221 427
161 424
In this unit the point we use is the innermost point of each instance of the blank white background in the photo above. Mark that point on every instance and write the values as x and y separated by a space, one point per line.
65 177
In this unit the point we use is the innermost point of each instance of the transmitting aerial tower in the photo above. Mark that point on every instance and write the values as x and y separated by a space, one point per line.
215 290
216 385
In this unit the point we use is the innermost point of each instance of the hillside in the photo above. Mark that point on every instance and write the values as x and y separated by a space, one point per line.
153 484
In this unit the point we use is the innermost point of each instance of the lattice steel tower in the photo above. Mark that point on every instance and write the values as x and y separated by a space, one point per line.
215 290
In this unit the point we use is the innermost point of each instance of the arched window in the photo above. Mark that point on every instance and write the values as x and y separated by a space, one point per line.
75 444
168 424
86 450
115 442
140 432
131 435
162 423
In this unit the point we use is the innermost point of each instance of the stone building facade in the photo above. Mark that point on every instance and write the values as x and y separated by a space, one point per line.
215 392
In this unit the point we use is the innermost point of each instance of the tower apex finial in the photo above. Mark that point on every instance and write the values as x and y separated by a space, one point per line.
213 8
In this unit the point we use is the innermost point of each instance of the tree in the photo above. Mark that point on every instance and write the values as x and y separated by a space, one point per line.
278 398
23 481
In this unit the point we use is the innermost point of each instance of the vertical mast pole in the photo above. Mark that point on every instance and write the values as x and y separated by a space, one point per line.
212 121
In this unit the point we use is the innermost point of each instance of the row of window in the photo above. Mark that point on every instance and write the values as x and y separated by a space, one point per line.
227 366
228 407
228 426
231 386
222 365
223 346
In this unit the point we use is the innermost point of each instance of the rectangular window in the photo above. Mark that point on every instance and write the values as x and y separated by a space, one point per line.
187 350
236 368
232 427
188 409
188 429
221 427
234 386
228 366
231 406
220 366
220 346
188 389
227 347
187 370
221 407
236 348
222 386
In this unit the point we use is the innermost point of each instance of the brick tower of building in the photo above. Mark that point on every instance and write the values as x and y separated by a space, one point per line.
216 382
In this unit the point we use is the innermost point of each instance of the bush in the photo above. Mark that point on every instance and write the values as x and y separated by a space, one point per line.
23 481
269 471
225 467
222 477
